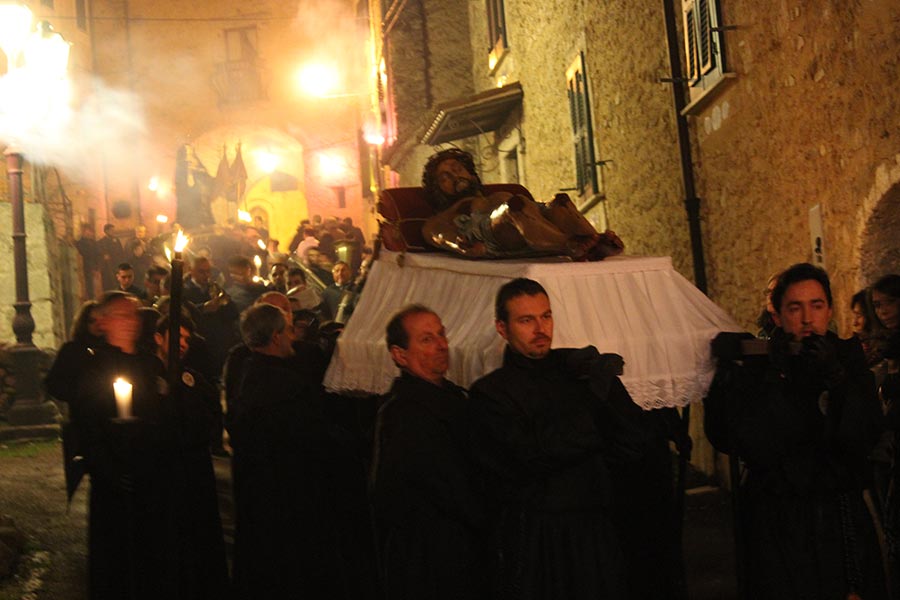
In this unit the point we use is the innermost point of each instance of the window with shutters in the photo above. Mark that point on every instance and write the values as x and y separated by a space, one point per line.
238 80
496 32
704 55
582 131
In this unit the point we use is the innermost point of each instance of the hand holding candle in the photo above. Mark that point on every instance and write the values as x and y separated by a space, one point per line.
122 389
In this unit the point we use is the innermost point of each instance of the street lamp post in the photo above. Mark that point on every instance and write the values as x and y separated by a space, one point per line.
45 55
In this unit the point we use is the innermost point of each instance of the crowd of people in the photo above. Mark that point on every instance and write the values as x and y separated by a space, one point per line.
543 480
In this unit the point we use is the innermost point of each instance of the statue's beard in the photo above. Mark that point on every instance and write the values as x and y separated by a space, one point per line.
465 188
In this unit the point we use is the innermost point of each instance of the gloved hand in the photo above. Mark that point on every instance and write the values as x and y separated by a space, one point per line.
727 345
820 360
603 370
610 364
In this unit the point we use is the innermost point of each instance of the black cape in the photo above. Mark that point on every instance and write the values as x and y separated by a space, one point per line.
285 542
431 521
804 435
543 436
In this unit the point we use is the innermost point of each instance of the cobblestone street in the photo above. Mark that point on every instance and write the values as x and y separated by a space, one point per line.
54 566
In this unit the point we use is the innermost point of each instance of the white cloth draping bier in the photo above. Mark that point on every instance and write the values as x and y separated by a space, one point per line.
639 307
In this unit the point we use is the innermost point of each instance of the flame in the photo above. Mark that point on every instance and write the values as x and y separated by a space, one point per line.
244 216
162 219
181 241
257 261
261 244
168 253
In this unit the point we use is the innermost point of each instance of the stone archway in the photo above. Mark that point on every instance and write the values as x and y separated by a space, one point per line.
880 249
274 161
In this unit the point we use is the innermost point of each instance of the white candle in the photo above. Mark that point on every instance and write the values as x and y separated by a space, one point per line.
123 398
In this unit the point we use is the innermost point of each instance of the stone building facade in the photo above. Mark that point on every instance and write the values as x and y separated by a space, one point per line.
792 131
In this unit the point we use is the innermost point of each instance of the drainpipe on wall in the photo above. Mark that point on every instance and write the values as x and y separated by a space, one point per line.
691 201
692 206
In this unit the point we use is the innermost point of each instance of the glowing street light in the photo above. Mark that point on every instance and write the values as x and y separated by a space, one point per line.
266 160
332 166
38 61
318 80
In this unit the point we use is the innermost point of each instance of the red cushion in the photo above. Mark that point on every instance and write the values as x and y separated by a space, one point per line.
404 210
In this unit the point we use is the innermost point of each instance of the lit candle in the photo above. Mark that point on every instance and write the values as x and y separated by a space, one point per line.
123 398
175 293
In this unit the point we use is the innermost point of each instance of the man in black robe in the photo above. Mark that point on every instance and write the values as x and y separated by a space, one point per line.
110 254
132 523
203 571
284 535
217 316
87 248
544 426
802 419
430 521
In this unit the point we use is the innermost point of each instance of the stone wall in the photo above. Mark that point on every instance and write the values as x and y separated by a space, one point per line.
808 121
44 283
430 63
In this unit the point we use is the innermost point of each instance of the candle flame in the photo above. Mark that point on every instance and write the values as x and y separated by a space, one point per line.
181 241
244 216
257 261
261 244
168 253
162 219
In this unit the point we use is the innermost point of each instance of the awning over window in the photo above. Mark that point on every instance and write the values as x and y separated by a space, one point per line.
470 116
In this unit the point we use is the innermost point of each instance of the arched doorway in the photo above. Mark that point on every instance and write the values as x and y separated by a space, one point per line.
275 183
880 252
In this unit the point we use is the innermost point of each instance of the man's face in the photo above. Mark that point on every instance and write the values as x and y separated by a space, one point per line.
125 278
184 342
120 323
152 284
529 330
240 275
804 310
428 354
887 309
453 177
140 232
278 275
284 339
341 274
295 281
279 300
201 272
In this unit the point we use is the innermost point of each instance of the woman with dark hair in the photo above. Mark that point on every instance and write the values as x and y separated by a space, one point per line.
865 326
62 381
886 305
886 301
73 356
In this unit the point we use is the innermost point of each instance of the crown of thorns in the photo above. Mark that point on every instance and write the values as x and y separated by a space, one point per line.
429 175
